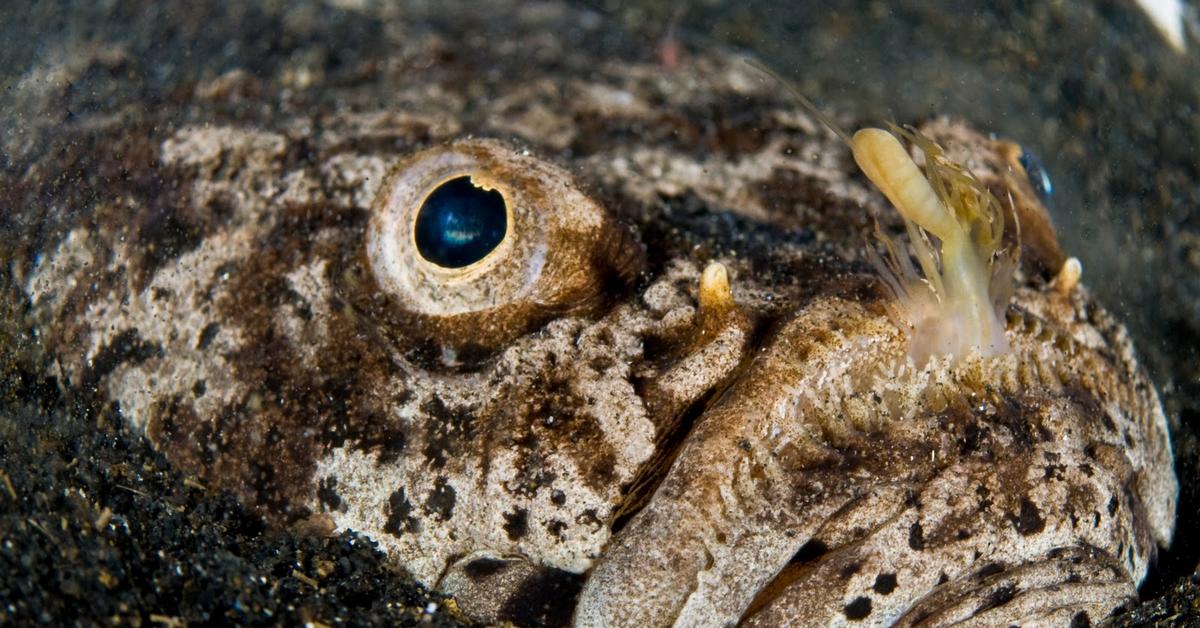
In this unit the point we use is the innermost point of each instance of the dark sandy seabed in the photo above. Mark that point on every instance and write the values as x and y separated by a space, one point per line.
95 527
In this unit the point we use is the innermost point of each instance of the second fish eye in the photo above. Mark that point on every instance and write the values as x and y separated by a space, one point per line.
460 224
1036 171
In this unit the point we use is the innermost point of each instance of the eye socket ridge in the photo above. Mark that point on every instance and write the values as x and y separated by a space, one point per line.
473 243
460 223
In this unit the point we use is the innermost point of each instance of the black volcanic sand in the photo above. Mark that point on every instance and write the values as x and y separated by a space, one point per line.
96 528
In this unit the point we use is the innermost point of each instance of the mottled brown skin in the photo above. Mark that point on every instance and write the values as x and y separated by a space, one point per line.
699 454
807 494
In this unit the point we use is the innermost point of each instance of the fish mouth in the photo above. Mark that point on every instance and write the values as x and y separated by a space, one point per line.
704 377
722 522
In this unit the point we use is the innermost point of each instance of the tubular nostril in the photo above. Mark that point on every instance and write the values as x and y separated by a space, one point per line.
460 224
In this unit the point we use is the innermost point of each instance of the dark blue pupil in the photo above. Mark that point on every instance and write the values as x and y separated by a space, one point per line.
1038 177
459 224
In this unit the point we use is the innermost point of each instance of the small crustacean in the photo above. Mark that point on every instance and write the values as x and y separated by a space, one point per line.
955 304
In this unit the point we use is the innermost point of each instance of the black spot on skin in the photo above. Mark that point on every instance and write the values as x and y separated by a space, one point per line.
1054 471
859 609
998 597
546 598
589 517
446 431
399 515
1081 620
1127 489
199 388
556 528
851 569
557 497
300 305
440 502
972 437
601 363
164 237
987 570
916 537
1029 520
350 424
207 335
1011 415
484 567
1090 406
127 347
516 524
1073 578
1112 505
327 494
813 549
532 468
220 207
943 578
985 497
885 583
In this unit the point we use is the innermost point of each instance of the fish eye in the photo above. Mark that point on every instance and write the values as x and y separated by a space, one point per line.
473 243
1035 170
460 224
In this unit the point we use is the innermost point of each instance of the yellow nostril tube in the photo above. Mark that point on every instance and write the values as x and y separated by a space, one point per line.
1068 276
715 294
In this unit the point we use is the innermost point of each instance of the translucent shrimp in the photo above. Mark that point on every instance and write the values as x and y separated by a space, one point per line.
954 304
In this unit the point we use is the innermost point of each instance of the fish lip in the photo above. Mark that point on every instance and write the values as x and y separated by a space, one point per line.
711 501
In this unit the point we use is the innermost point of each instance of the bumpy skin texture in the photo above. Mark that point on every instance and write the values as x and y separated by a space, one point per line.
699 456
